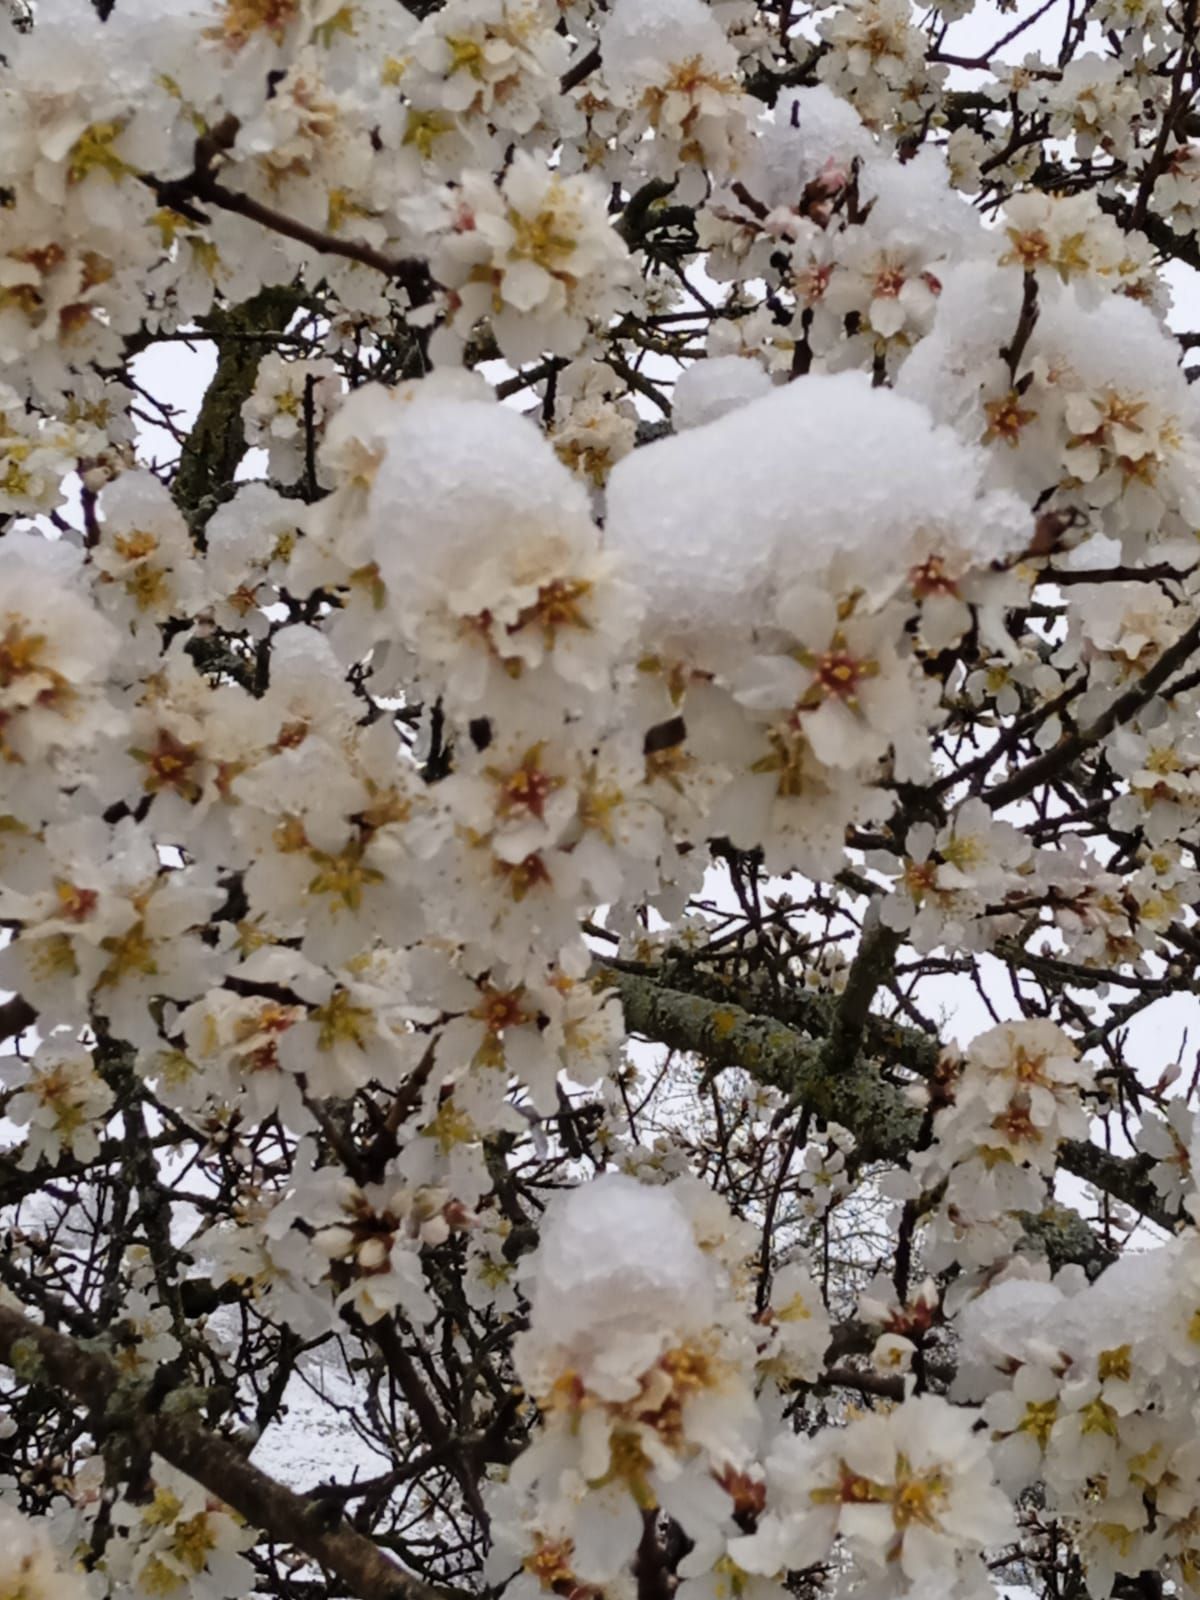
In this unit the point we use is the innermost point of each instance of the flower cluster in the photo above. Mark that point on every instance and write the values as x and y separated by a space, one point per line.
999 1117
680 590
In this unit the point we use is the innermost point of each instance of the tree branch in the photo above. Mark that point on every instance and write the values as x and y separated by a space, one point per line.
726 1035
62 1368
857 1095
217 441
1125 706
15 1016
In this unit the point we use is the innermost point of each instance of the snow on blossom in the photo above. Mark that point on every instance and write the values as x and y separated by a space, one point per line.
674 484
518 589
783 471
708 389
1097 413
814 137
809 637
614 1232
638 1384
1084 1392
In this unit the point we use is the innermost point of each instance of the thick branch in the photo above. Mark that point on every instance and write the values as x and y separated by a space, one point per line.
875 1111
871 966
63 1369
726 1035
581 68
217 442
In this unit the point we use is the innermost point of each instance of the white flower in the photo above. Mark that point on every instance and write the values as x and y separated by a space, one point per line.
1168 1141
844 685
56 651
249 542
1018 1096
1021 1420
34 459
144 1338
1065 235
145 558
489 1280
368 1240
232 1053
61 1099
537 255
799 1324
948 876
182 1542
290 400
109 929
495 60
890 285
1097 103
52 286
31 1568
671 64
911 1490
592 428
876 55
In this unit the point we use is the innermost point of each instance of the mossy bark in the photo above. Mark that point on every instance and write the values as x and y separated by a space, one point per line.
856 1091
217 442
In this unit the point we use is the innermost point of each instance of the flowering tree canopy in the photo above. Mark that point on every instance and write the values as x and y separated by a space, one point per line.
600 845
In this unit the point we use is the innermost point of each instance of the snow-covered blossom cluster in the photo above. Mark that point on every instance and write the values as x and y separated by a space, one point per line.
599 799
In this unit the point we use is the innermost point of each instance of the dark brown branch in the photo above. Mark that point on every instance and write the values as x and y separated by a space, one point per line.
1122 709
15 1016
1170 118
412 273
579 70
202 184
62 1369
